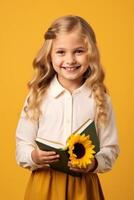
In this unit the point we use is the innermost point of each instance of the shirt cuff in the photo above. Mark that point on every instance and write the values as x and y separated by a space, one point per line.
101 164
32 164
27 162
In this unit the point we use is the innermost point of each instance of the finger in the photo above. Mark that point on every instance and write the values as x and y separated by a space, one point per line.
46 166
44 162
50 161
50 157
69 163
75 169
81 170
48 153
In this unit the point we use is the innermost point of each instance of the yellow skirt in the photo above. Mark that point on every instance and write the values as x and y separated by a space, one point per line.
48 184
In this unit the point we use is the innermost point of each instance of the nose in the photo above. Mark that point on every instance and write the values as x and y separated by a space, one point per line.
70 59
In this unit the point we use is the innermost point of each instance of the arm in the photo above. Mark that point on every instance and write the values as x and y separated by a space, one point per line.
25 136
109 148
27 153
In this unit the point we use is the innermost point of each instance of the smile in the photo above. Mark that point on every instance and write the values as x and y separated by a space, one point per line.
71 68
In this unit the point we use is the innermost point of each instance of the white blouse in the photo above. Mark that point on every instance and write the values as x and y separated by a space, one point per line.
62 114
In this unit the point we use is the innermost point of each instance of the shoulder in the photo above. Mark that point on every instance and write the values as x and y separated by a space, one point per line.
110 108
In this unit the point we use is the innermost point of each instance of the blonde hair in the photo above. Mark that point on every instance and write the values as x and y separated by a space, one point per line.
44 71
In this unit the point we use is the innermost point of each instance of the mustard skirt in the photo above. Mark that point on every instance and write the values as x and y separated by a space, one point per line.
48 184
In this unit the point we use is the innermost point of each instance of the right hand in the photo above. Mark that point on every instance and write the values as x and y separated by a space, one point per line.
44 158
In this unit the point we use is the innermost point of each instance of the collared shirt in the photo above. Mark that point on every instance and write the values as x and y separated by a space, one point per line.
62 114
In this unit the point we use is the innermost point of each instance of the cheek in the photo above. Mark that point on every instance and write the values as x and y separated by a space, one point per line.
84 60
56 60
87 60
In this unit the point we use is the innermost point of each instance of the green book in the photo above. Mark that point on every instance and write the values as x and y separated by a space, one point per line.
88 128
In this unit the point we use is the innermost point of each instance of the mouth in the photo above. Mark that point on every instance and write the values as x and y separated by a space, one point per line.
71 68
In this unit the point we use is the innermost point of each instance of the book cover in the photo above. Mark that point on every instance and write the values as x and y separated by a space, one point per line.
88 128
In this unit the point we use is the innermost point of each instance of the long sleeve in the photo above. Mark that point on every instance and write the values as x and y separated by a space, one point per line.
109 147
25 135
62 114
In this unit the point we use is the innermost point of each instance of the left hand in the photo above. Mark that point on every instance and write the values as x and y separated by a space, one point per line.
89 168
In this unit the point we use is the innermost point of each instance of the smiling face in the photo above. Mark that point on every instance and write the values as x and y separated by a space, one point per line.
69 56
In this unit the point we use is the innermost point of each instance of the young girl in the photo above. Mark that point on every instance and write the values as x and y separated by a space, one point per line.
66 90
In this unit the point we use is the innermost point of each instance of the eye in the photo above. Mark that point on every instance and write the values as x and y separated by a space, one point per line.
79 51
60 52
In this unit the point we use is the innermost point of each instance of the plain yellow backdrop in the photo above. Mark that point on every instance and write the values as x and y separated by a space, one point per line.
22 25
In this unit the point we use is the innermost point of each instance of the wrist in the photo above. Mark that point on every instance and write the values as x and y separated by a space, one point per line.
95 165
33 156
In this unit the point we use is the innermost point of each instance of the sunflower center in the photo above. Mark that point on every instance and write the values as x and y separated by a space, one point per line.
79 150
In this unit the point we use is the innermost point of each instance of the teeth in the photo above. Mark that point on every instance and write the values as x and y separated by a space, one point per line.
71 68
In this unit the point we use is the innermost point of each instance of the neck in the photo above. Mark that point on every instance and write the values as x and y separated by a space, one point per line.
70 85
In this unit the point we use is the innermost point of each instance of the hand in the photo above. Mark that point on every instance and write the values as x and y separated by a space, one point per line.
44 158
89 168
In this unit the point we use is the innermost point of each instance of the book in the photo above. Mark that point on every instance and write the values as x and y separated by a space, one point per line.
88 128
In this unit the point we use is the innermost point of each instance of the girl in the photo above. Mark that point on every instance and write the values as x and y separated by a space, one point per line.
66 90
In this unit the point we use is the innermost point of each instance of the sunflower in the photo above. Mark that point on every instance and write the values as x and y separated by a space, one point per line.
80 149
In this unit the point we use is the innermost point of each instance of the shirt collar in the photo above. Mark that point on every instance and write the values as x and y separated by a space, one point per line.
56 89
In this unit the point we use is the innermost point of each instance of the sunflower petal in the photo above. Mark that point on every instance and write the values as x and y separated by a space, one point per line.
86 143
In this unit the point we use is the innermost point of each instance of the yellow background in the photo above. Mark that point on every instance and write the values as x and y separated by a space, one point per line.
22 25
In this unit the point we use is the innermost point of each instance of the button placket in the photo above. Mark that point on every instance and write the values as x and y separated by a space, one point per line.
68 115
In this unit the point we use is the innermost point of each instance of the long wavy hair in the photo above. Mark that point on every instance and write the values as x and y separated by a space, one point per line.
44 71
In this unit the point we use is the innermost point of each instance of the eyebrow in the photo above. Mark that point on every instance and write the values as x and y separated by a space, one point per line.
62 48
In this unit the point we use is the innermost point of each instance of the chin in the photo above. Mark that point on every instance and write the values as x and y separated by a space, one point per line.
71 78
